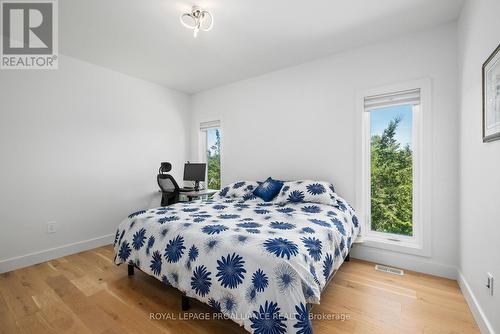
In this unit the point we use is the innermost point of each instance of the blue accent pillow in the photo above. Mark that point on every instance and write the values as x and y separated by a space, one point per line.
268 189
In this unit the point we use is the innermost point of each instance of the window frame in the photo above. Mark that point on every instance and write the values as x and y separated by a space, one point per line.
419 243
202 146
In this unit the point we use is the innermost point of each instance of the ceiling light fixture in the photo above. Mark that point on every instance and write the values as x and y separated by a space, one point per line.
198 19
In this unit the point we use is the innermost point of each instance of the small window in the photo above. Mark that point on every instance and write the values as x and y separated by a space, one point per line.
391 165
212 151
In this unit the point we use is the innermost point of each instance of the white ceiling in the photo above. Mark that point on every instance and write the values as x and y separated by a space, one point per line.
144 38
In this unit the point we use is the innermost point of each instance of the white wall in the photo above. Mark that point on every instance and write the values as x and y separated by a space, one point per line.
80 146
479 35
300 123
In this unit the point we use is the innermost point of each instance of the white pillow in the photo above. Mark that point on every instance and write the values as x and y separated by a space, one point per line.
240 189
309 191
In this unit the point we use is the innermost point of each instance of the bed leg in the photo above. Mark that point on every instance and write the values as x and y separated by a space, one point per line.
130 270
348 257
184 302
309 307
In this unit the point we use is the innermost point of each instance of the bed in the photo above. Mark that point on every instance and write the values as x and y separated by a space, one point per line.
259 263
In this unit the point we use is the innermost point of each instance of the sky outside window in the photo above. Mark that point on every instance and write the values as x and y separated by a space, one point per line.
380 118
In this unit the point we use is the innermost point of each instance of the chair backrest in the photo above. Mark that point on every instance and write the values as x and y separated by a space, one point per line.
167 183
169 188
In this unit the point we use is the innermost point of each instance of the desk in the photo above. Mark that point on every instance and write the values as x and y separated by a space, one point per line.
205 193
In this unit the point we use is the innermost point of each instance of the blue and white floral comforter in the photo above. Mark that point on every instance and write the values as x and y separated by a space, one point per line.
259 263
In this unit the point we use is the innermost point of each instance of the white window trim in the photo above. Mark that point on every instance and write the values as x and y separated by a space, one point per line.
420 243
202 144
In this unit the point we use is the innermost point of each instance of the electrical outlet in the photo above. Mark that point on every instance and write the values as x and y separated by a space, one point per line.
489 283
51 227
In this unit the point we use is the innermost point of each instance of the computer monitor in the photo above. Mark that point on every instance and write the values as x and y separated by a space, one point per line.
195 172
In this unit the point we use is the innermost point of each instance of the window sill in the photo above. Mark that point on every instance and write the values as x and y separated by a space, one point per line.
403 246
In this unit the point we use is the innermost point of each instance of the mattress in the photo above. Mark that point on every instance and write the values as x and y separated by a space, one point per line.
258 263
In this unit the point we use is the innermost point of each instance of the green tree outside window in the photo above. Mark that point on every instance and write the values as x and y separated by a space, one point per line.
213 158
391 183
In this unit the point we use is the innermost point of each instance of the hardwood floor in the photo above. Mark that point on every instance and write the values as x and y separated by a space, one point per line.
87 293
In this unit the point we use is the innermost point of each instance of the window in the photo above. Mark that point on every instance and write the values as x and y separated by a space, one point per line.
211 147
391 167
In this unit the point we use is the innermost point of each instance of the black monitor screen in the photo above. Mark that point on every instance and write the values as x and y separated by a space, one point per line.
194 172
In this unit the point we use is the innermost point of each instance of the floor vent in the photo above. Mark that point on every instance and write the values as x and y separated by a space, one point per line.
390 270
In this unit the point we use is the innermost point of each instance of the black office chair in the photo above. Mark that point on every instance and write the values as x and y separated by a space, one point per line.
169 188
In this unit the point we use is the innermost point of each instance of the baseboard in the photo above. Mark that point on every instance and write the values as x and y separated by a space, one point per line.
54 253
404 261
477 311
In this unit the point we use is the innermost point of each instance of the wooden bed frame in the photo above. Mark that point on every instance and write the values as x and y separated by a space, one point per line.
185 300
